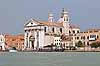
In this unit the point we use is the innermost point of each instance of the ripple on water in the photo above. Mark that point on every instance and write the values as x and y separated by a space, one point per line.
50 59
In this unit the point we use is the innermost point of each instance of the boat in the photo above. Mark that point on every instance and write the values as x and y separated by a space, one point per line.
13 49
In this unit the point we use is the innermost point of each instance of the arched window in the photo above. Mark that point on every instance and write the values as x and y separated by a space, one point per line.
44 29
69 32
77 37
78 31
87 37
87 43
57 43
73 31
1 39
97 36
25 30
83 37
52 29
61 30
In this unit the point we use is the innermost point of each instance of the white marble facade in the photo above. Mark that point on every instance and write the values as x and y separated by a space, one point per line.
41 33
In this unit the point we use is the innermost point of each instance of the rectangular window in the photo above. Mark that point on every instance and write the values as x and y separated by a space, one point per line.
92 37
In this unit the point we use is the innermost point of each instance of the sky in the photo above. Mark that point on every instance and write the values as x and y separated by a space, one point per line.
15 13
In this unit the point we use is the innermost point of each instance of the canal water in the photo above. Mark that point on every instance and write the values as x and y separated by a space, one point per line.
50 59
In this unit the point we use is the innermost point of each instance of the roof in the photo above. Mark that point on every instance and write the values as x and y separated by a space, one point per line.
65 38
91 30
46 23
57 24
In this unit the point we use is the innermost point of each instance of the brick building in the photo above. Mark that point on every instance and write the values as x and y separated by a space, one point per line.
14 41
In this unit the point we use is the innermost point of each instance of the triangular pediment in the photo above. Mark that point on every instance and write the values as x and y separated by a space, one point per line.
31 22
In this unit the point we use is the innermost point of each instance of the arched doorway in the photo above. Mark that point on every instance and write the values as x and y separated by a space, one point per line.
32 40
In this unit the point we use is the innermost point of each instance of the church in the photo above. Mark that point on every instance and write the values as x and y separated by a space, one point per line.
40 33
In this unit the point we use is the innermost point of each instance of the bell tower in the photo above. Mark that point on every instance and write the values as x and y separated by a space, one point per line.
50 17
64 15
65 20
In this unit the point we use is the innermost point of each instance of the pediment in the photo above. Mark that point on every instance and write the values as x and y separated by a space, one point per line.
31 23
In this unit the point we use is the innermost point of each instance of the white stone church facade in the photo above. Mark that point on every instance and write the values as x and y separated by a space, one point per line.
42 33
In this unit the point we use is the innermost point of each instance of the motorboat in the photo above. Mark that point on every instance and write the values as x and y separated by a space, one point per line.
13 49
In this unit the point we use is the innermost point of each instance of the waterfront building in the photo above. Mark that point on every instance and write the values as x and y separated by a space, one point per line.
57 42
40 33
88 37
2 42
16 41
67 41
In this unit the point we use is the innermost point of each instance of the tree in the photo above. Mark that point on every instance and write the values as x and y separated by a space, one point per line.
95 44
79 44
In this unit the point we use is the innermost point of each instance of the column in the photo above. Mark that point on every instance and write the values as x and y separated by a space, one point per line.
30 46
25 40
35 42
32 36
28 39
41 39
38 39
